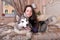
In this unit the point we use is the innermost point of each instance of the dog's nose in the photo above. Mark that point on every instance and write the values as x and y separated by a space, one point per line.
27 24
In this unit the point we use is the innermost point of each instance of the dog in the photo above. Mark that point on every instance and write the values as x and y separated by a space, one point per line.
23 23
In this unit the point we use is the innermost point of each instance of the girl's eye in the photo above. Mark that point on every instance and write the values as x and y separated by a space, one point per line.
27 10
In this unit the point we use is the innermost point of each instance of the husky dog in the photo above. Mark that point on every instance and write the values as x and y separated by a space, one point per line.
23 22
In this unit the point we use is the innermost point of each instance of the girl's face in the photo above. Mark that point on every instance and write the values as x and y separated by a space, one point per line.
28 11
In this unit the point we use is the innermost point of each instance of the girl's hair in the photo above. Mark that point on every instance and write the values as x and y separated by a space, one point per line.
33 19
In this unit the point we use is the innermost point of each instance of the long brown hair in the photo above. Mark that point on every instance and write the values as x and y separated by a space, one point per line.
33 19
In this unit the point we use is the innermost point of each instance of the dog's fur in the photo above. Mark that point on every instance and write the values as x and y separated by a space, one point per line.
23 22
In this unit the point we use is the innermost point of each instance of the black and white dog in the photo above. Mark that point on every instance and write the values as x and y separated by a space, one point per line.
23 22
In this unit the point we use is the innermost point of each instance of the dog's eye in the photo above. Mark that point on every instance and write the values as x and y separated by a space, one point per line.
22 21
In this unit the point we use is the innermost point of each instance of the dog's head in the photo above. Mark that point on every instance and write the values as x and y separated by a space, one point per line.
23 23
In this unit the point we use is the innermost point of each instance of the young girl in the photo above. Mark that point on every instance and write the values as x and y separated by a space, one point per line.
31 15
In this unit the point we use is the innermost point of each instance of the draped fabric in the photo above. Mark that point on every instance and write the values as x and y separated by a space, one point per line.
18 5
